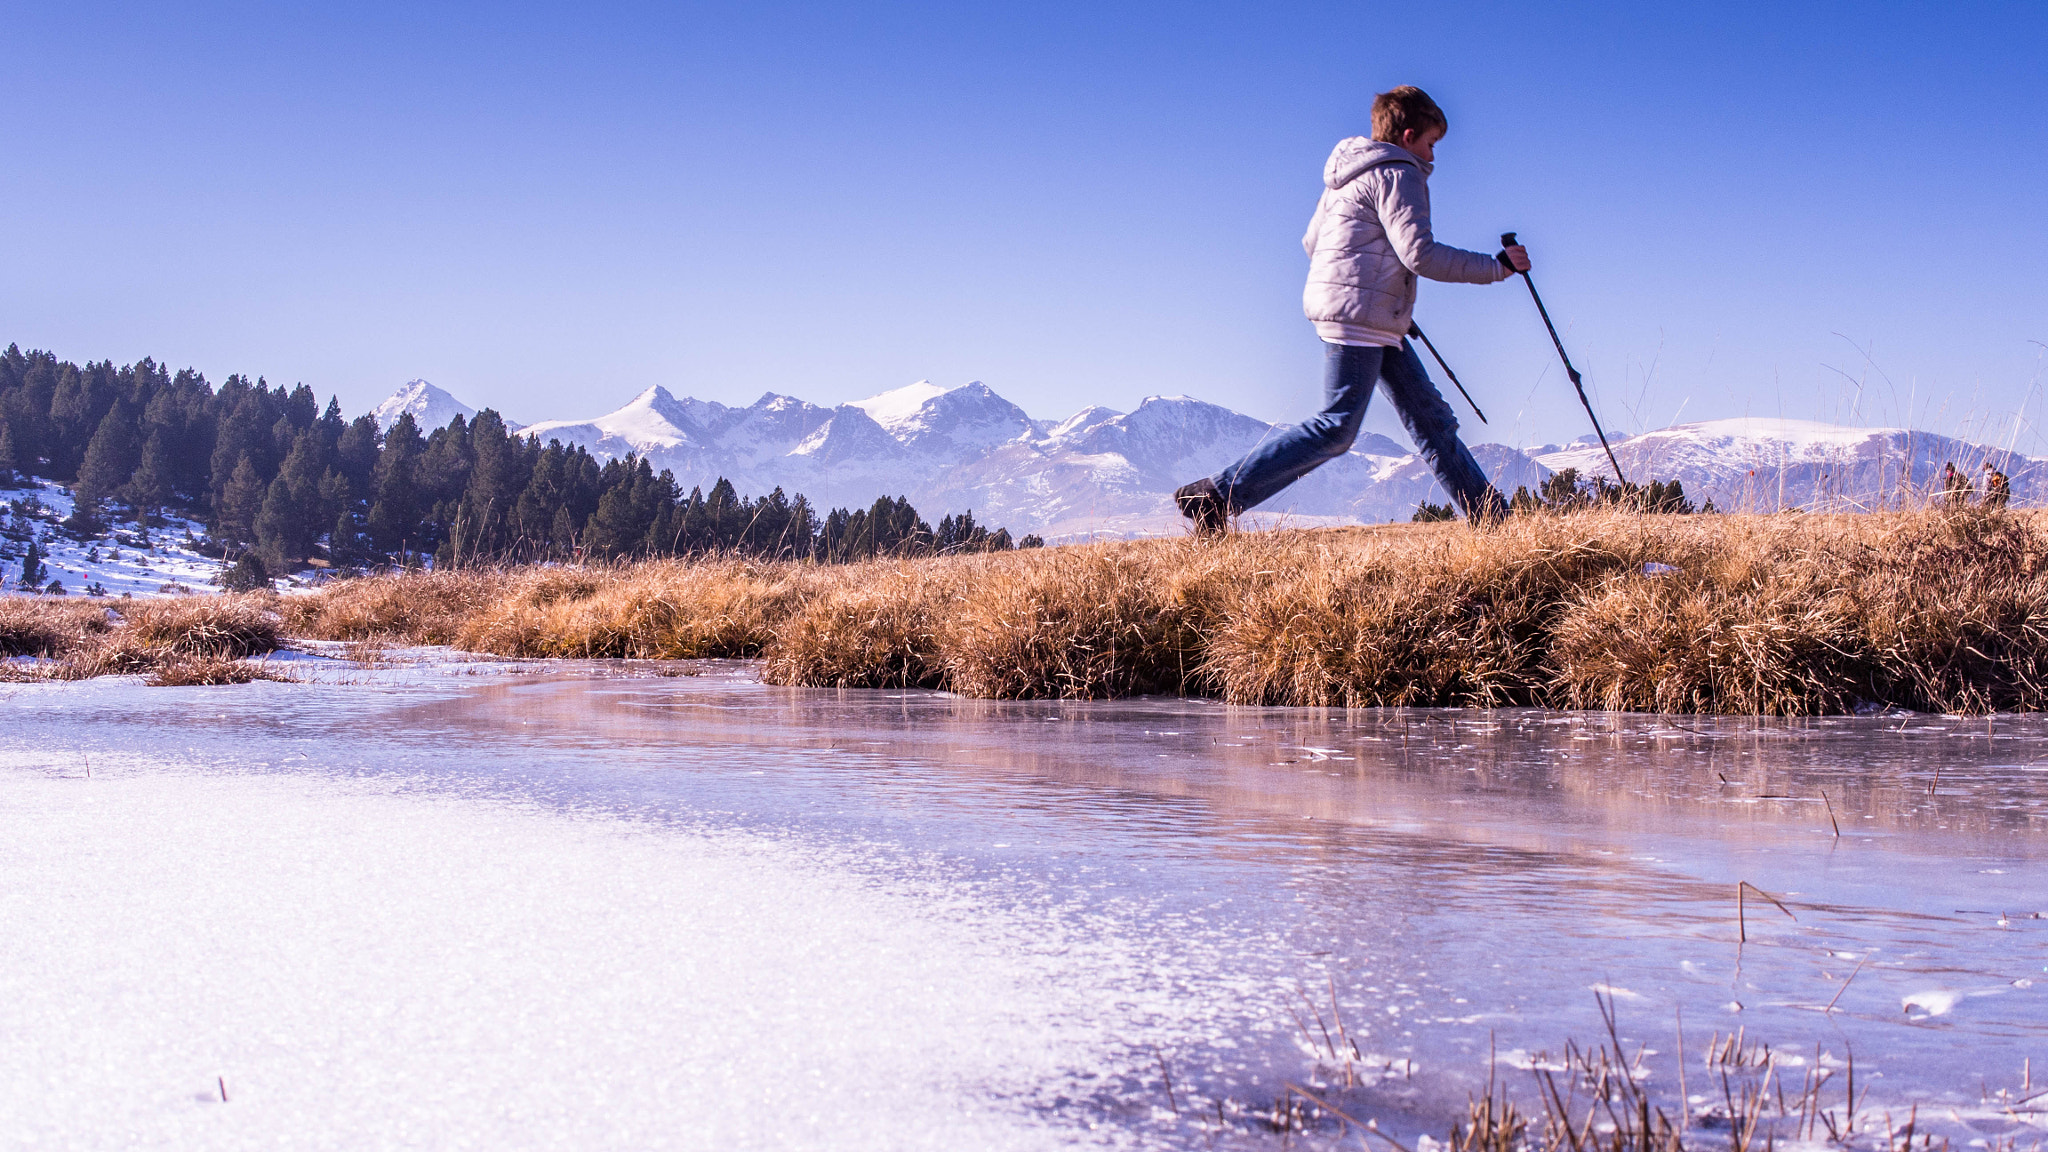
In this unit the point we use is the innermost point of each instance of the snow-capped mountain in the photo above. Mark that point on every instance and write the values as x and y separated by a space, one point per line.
1103 471
1763 463
653 422
431 407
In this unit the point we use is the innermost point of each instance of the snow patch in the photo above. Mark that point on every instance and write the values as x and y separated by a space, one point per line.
898 407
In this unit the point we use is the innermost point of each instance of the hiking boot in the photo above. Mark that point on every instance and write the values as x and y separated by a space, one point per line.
1202 503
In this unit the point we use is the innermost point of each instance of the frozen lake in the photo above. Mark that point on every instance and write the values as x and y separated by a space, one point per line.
442 904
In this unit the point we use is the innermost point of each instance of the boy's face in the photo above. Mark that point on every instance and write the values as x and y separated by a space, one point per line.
1422 144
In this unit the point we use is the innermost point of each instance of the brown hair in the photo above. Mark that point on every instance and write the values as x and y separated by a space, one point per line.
1405 109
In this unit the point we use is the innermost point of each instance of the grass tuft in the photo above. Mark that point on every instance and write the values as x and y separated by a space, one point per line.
209 671
416 607
84 640
36 626
658 610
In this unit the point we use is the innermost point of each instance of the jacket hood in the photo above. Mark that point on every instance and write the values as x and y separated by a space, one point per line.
1353 157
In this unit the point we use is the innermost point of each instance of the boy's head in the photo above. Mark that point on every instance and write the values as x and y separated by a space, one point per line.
1407 116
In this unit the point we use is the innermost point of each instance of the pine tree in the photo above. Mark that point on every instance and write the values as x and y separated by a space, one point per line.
500 472
541 501
292 515
244 433
300 409
149 487
10 457
395 504
235 518
331 425
78 402
799 535
109 460
347 546
32 569
245 575
274 524
624 512
184 411
355 453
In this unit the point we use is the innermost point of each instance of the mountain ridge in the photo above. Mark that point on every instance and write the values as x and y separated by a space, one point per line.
1105 472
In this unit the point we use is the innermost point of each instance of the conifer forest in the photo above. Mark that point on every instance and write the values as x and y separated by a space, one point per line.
274 474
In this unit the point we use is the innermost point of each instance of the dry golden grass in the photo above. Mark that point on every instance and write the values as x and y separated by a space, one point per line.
1785 614
1082 622
417 607
209 671
659 610
204 627
86 639
1434 616
876 632
43 626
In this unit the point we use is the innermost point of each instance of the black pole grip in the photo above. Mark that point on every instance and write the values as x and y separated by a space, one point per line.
1507 240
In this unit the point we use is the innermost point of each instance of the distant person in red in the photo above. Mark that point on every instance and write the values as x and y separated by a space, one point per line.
1997 488
1955 487
1369 240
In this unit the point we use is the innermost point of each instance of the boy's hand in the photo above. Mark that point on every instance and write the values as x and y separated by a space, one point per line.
1514 258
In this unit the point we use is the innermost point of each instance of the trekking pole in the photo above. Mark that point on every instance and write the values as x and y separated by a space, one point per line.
1415 330
1507 240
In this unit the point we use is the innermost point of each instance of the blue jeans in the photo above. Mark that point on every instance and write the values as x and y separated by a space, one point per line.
1348 378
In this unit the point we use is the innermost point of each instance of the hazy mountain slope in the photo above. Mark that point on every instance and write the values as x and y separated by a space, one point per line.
1763 464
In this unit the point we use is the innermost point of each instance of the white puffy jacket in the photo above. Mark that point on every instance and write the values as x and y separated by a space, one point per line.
1370 238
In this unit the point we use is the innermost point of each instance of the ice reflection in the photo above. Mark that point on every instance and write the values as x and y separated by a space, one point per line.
1463 880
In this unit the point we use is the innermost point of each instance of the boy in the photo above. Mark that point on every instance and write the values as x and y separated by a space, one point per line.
1367 242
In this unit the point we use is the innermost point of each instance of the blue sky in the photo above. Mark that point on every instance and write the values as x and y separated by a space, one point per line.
1819 211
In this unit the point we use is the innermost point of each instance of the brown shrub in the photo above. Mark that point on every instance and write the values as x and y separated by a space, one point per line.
1781 647
159 632
1760 618
90 640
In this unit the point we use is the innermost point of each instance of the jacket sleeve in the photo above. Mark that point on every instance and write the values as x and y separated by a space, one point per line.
1315 224
1402 200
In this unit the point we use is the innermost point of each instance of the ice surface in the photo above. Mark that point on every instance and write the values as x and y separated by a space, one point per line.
457 902
364 967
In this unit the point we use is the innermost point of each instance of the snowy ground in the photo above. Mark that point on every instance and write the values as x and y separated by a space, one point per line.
118 560
359 967
123 560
